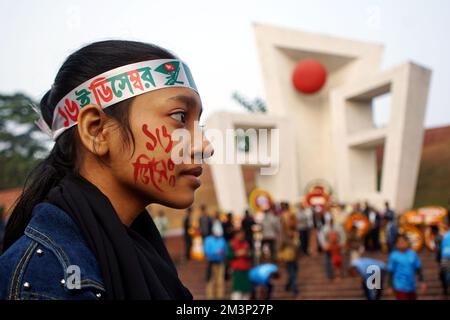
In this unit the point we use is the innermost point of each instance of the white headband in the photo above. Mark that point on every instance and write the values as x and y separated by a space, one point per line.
117 85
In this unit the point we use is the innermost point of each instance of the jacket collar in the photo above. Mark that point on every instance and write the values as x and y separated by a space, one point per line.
54 229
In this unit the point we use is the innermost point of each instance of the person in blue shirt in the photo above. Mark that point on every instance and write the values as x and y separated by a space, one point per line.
261 276
215 248
404 266
369 269
445 258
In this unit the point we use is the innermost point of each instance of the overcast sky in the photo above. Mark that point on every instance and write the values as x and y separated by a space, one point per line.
216 38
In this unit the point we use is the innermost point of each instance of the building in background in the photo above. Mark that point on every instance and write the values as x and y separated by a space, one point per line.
320 92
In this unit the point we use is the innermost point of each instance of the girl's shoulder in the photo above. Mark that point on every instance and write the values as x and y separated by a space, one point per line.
50 261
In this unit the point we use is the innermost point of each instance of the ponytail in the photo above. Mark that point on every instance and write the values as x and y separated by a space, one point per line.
38 183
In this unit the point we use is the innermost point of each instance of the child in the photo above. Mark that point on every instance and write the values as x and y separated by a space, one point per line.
335 250
240 263
403 267
215 248
338 237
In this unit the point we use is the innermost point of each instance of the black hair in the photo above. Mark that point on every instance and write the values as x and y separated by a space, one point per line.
401 236
434 229
79 67
284 205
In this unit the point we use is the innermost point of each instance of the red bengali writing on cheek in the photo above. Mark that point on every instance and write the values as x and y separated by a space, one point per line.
148 169
165 141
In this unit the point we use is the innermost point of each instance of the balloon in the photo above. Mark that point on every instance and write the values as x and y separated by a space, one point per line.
309 76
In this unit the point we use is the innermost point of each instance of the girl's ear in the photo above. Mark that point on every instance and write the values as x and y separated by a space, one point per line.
93 130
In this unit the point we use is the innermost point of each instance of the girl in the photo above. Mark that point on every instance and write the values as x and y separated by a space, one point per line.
80 229
335 251
240 263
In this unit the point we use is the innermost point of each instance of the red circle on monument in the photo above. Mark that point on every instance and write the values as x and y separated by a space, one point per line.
309 76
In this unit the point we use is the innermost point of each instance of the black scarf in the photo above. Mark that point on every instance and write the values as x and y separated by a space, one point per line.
133 260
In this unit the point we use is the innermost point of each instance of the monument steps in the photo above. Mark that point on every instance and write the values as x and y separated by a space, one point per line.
312 282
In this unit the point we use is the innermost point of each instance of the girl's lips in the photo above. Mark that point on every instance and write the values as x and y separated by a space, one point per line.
195 171
193 175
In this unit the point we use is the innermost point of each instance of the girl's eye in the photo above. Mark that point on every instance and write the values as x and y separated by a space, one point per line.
179 116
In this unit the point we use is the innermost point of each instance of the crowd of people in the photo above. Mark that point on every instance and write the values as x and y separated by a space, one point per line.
254 249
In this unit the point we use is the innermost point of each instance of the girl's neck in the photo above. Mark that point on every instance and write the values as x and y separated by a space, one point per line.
124 201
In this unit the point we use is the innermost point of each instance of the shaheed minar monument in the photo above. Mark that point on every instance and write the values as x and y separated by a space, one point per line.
319 92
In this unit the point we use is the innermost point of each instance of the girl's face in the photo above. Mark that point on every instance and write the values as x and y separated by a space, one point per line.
150 171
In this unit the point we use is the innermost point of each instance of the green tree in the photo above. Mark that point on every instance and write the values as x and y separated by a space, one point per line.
22 144
255 105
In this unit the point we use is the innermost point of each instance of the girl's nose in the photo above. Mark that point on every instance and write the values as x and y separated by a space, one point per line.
202 149
207 147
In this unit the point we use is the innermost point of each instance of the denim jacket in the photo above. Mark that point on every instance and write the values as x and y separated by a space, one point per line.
50 261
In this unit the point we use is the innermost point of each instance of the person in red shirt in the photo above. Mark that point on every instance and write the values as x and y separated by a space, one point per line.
335 250
239 255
